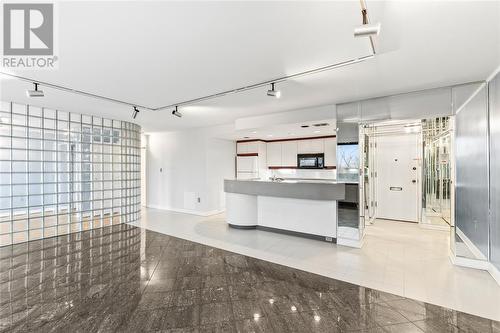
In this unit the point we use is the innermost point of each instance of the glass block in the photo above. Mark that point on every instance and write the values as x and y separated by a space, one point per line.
49 232
35 155
35 178
17 131
35 122
50 177
75 117
62 115
5 227
49 167
19 166
19 108
35 166
35 144
36 223
5 190
18 119
49 124
35 133
35 188
20 225
34 111
20 237
49 113
5 166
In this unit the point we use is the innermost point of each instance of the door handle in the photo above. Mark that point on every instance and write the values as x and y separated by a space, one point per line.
413 181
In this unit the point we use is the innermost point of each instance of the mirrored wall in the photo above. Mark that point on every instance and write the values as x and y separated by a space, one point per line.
63 172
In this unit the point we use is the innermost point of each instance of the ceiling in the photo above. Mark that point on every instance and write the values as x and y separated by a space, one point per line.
160 53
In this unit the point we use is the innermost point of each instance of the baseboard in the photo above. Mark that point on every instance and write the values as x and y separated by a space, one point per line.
495 272
188 211
469 263
473 248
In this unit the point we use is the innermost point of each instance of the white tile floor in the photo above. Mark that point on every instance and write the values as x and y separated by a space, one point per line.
397 257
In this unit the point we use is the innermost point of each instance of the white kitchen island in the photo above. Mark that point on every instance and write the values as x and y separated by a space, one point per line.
304 208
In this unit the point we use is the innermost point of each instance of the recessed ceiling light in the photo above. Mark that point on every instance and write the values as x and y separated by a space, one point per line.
317 131
270 135
254 132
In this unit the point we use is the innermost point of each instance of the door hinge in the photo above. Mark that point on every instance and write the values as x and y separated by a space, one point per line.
376 204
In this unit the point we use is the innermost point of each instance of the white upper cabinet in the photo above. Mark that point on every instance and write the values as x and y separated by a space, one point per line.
311 146
330 145
289 153
251 147
274 154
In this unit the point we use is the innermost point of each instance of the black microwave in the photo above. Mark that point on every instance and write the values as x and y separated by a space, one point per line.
310 161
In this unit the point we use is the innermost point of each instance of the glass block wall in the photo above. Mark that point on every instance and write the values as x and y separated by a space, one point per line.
63 172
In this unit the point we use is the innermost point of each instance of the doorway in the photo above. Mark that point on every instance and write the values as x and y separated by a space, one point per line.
392 157
408 171
397 188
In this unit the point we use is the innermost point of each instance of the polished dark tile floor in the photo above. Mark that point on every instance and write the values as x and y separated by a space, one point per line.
127 279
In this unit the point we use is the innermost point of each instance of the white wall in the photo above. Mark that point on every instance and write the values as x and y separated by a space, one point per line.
194 165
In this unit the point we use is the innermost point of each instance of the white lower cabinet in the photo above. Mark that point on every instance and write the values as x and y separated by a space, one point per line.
247 175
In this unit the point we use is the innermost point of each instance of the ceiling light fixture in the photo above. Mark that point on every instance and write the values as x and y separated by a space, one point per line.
136 111
35 93
176 112
273 92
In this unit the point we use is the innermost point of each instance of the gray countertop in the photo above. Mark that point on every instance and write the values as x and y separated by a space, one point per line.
297 189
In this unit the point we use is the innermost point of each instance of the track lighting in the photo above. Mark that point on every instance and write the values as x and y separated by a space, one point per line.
35 93
176 112
273 93
136 111
367 30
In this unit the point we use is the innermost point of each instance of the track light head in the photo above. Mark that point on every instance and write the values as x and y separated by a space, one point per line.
273 92
367 30
36 92
135 113
177 113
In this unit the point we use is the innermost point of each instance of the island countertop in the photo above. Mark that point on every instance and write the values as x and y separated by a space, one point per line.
296 189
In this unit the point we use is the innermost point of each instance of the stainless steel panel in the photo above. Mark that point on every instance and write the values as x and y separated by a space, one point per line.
494 98
471 153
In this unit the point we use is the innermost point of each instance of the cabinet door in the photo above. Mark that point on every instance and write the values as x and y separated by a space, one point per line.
331 152
317 146
242 148
304 146
274 154
289 153
247 163
252 147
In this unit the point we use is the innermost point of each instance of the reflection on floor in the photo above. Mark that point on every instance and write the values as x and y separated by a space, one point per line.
128 279
400 258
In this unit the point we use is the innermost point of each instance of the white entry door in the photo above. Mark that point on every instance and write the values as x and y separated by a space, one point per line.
397 177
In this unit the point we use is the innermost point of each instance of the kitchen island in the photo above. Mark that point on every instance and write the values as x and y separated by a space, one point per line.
307 208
